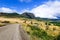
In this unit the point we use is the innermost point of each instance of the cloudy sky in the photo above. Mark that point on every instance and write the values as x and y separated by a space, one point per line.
40 8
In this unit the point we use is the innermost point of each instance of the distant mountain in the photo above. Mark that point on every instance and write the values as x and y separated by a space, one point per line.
9 14
26 15
47 19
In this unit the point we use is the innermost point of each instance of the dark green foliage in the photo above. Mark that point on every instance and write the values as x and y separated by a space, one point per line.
49 23
57 38
10 14
28 32
56 23
5 22
46 23
39 33
34 28
42 19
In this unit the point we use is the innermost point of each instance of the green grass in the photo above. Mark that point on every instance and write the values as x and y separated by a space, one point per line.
34 30
56 23
39 33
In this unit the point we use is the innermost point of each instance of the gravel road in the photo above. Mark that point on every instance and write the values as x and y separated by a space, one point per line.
13 32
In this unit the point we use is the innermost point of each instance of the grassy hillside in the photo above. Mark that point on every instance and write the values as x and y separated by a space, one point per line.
37 29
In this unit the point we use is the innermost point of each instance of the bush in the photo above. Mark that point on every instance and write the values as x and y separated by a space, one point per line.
16 22
5 22
46 23
34 28
28 32
57 38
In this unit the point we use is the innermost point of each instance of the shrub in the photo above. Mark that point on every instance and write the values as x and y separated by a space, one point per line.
5 22
16 22
34 28
28 32
57 37
46 23
24 21
31 22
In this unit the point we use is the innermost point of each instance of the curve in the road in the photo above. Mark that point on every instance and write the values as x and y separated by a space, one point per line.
13 32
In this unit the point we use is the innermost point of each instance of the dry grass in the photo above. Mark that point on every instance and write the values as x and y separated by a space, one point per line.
52 29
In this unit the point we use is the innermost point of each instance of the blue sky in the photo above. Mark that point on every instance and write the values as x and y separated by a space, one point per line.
40 8
20 5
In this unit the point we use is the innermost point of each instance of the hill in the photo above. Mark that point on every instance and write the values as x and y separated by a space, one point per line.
37 28
25 15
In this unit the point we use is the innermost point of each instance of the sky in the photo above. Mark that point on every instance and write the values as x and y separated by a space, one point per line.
40 8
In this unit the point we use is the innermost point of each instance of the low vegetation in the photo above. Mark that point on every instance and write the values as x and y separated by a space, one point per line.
5 22
2 24
36 28
56 23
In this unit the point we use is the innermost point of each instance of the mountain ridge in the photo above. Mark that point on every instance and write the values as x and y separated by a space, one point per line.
25 15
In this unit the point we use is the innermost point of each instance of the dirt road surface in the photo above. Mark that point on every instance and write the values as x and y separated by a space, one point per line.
13 32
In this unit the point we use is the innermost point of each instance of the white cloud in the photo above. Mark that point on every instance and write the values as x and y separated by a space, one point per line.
8 10
24 10
47 10
25 0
